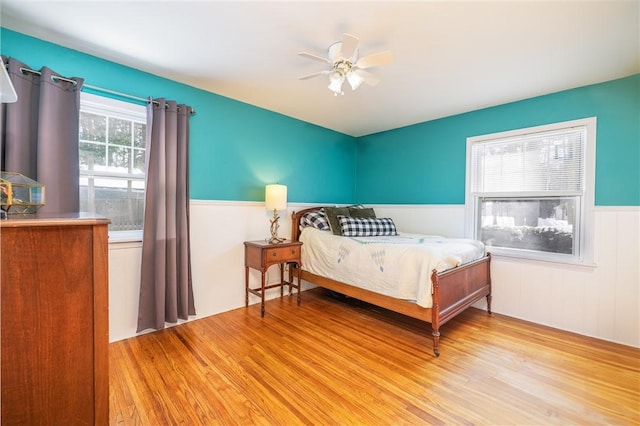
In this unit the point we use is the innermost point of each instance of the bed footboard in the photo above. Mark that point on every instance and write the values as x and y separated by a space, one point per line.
457 289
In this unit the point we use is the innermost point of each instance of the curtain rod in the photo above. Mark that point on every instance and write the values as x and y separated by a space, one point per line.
100 89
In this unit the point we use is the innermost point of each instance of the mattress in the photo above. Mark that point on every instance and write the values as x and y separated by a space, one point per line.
398 266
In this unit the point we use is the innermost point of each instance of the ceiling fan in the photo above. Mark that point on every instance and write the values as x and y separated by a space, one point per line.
346 65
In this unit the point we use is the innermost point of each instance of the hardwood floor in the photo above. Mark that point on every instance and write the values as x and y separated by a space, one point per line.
333 361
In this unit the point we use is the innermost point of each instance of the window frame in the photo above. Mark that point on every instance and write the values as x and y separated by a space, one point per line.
104 105
584 230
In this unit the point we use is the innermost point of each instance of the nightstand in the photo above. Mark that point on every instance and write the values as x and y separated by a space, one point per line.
260 255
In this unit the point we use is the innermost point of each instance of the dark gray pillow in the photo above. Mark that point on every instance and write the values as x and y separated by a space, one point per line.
362 212
332 214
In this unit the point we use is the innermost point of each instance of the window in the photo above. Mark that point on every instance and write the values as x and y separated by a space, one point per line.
112 162
530 191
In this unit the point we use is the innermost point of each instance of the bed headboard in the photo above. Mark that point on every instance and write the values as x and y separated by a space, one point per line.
295 221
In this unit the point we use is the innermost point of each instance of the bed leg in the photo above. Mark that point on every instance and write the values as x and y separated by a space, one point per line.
435 312
489 303
436 340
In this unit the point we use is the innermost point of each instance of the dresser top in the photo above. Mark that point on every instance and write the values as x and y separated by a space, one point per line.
51 219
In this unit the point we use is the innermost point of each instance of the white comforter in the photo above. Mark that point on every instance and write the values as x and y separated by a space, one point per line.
398 266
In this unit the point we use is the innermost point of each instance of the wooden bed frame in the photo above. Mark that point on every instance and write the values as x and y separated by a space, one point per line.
454 290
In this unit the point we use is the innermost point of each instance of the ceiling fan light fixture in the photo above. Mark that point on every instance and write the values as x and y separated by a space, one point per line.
335 83
354 80
336 75
343 56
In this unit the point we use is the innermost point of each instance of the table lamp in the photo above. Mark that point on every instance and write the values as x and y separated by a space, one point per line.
275 198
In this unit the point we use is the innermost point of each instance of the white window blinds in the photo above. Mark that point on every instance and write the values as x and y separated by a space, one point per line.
537 164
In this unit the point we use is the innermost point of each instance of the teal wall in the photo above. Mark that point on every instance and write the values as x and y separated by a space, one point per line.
235 148
425 163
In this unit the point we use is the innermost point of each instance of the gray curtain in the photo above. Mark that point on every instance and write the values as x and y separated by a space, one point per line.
40 134
166 291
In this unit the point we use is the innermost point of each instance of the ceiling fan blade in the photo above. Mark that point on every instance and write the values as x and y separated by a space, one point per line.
349 46
375 60
315 74
315 57
366 77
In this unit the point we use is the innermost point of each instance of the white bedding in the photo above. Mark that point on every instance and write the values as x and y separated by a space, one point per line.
398 266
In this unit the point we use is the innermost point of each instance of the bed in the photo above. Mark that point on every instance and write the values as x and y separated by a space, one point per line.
448 289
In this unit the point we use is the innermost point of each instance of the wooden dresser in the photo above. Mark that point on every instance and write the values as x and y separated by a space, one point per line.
55 333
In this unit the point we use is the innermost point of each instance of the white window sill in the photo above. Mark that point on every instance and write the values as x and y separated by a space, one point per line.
125 239
516 257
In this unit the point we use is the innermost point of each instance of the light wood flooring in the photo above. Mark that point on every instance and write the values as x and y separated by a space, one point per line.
333 361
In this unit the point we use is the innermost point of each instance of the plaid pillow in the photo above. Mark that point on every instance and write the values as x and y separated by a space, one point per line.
366 226
316 220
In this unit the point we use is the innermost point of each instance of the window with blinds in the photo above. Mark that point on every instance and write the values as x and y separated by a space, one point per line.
540 164
528 190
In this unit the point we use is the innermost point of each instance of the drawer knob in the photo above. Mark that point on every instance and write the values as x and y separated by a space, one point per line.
274 254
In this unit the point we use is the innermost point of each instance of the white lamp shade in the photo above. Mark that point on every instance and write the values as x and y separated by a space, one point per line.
7 92
354 80
275 197
335 84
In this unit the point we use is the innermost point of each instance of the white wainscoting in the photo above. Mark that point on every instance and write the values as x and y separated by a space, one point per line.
218 231
601 301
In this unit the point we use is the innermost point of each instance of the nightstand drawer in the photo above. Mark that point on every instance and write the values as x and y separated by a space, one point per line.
277 254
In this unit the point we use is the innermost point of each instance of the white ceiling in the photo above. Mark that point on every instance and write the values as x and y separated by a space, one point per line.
449 57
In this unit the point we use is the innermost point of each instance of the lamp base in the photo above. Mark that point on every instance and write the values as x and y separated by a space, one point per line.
275 240
274 229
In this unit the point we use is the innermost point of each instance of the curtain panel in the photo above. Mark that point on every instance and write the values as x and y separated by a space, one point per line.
40 134
166 291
